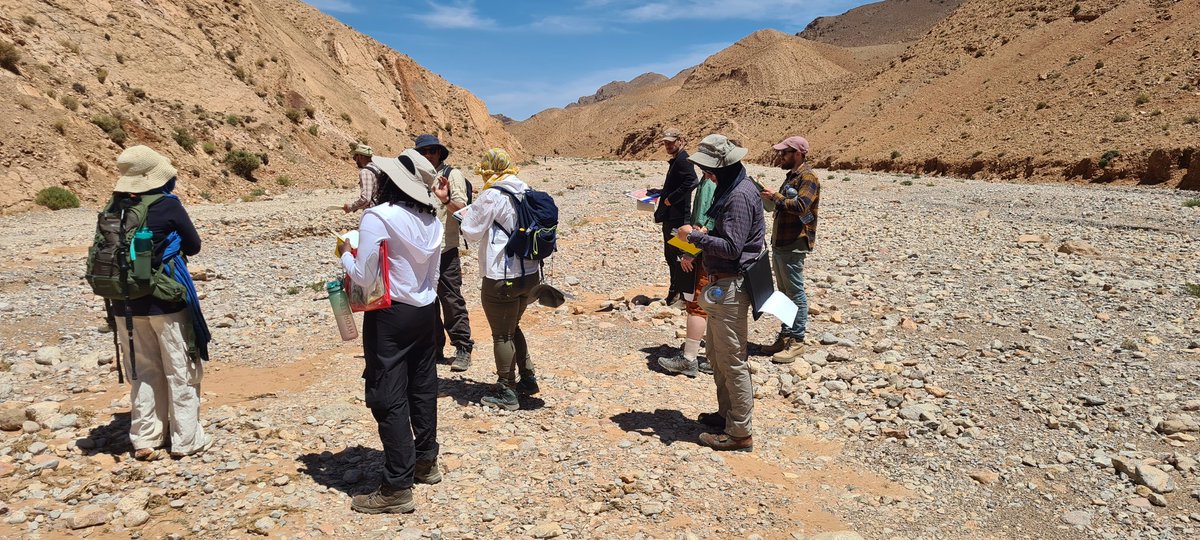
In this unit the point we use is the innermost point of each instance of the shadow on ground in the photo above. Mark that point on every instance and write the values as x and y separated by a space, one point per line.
111 438
668 425
353 471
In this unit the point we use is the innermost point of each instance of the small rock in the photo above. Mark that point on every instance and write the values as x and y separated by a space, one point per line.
1153 478
838 535
282 480
65 421
12 416
986 478
1078 247
42 412
546 529
1078 518
137 518
651 508
48 356
89 516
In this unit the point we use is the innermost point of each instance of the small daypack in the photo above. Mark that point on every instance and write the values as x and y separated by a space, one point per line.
536 234
109 265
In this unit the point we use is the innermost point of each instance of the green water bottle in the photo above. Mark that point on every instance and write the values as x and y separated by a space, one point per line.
141 253
341 310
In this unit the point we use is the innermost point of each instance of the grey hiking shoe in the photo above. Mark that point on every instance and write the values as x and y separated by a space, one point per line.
462 359
679 364
427 472
504 398
528 384
384 501
703 365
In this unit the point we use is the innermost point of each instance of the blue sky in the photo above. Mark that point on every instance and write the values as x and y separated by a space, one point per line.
522 56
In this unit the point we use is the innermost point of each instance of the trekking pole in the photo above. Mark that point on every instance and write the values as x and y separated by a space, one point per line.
123 265
112 325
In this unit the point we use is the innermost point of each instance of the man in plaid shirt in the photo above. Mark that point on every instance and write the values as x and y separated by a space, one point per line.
368 179
793 238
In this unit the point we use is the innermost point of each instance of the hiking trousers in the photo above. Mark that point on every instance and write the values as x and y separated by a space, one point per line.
165 398
504 302
453 316
727 302
401 386
681 281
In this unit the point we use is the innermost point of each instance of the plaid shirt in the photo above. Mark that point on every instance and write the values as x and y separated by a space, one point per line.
797 216
368 185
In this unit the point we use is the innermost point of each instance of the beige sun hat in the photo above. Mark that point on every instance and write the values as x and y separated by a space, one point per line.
717 151
142 170
417 184
363 150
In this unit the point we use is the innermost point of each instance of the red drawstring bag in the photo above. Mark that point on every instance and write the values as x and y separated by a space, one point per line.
377 293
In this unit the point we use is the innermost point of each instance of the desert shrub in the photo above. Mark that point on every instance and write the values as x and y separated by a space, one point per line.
69 45
1191 203
895 154
1099 64
312 130
79 88
283 180
294 115
1142 99
1192 289
118 136
242 163
206 195
184 139
239 73
136 94
1121 117
1075 9
60 126
101 75
106 122
233 120
260 63
120 58
1192 120
1107 158
56 198
1042 105
81 169
906 183
69 102
309 111
29 20
346 117
209 147
9 57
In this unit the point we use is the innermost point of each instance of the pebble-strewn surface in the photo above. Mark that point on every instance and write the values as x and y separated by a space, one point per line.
984 361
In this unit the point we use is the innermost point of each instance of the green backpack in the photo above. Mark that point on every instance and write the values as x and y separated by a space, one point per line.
109 265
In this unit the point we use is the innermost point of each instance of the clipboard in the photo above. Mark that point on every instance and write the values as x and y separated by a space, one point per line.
763 296
685 246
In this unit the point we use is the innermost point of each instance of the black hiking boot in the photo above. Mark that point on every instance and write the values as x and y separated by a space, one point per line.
504 398
528 384
462 359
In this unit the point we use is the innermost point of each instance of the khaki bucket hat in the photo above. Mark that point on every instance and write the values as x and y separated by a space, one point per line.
716 151
142 169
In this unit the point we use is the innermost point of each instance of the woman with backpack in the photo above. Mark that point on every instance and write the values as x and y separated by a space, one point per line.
508 280
399 341
166 355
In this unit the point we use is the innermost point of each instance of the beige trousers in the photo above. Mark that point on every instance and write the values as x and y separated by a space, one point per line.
166 393
727 302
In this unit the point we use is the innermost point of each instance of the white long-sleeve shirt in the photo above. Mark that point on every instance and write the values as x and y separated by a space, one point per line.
479 225
414 242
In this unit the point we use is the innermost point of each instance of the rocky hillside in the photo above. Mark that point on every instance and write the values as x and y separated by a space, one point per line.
880 23
1020 89
199 78
616 88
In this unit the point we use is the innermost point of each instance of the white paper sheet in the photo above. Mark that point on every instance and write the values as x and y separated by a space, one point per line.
781 307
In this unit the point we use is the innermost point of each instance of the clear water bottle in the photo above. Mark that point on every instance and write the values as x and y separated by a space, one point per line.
341 310
141 253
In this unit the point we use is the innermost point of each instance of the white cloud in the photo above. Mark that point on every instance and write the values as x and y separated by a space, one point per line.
797 11
337 6
567 24
458 15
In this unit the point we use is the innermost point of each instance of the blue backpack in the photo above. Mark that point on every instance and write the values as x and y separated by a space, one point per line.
536 234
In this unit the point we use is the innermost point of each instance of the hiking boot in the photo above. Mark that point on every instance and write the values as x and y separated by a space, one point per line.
462 359
679 364
703 365
384 501
779 345
722 442
427 472
795 347
504 398
712 419
528 385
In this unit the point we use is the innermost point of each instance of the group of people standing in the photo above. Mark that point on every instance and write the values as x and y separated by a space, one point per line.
725 220
420 208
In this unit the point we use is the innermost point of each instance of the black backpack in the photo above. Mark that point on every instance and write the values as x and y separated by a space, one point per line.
536 234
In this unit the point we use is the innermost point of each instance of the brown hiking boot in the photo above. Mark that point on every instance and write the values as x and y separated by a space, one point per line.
773 348
712 419
793 350
384 501
722 442
427 472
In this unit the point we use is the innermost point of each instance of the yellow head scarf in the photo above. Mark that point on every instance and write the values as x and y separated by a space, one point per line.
495 166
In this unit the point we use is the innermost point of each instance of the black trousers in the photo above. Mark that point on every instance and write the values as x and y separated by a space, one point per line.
402 386
453 318
681 281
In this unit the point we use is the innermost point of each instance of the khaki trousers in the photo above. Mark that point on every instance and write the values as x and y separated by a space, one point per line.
727 302
166 395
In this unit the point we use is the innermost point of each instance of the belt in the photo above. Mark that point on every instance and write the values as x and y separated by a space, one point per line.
714 276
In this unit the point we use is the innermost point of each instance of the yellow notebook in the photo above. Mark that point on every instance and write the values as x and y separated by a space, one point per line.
685 246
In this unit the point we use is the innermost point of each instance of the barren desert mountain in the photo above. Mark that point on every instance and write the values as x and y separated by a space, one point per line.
1019 89
880 23
616 88
199 78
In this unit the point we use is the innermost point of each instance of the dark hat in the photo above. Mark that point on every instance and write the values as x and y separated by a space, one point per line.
427 140
547 295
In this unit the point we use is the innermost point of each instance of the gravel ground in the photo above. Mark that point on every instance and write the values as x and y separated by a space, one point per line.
984 361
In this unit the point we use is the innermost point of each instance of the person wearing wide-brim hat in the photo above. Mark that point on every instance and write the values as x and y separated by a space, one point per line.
368 179
169 338
399 341
733 243
454 319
